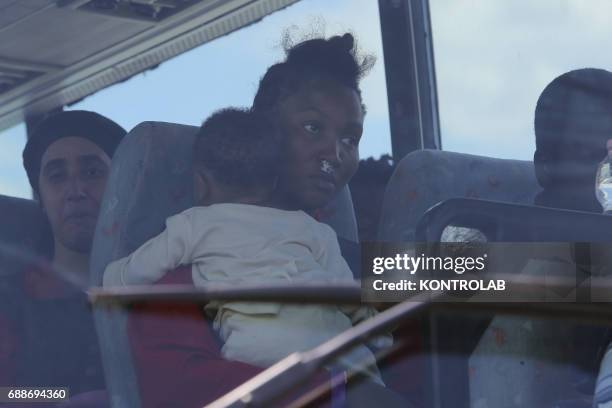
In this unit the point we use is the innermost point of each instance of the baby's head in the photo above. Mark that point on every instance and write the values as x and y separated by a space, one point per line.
236 158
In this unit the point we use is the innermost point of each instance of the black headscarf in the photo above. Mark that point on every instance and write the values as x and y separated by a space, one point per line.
92 126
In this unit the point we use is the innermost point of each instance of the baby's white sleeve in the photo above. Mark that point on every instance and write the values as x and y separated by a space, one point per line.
330 256
153 259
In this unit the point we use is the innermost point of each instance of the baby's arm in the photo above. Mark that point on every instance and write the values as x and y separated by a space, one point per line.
603 394
153 259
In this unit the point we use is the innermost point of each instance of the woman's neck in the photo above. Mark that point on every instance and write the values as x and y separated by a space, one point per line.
282 201
72 264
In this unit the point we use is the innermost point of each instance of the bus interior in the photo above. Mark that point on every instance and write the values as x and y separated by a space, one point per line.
453 95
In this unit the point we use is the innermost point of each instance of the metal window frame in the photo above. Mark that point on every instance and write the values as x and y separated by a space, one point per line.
410 75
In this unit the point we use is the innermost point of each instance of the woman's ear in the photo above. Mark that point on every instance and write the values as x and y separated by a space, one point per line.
39 200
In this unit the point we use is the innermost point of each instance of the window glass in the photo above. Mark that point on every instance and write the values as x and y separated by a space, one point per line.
13 178
226 71
494 58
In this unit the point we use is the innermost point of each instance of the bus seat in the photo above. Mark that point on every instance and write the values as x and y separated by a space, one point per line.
150 180
22 225
426 177
473 368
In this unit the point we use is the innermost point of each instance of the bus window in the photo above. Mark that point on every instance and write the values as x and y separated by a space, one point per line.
189 87
488 85
493 58
13 180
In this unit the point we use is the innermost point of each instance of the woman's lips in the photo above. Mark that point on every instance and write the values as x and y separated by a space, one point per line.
79 217
325 182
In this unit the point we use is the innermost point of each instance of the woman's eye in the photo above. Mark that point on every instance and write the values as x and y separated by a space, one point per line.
94 172
350 141
312 128
55 177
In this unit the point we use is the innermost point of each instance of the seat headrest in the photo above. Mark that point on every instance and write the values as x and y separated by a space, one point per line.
150 180
23 225
425 177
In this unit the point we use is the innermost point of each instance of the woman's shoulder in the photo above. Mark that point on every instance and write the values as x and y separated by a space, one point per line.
11 294
42 282
34 285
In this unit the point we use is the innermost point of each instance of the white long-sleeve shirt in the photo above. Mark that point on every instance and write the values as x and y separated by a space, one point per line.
238 243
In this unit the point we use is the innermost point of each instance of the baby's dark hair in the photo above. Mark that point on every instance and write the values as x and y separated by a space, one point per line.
239 147
336 59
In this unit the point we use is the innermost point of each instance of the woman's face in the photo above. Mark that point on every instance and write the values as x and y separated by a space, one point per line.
72 179
322 125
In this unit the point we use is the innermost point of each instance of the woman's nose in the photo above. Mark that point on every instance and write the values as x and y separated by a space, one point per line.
76 189
332 151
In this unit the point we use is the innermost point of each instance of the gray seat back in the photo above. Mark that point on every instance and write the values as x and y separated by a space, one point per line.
426 177
151 179
22 225
421 180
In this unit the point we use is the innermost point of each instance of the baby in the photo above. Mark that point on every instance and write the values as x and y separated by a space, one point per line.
238 235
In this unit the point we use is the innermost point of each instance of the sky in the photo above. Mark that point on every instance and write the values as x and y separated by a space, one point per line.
492 57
